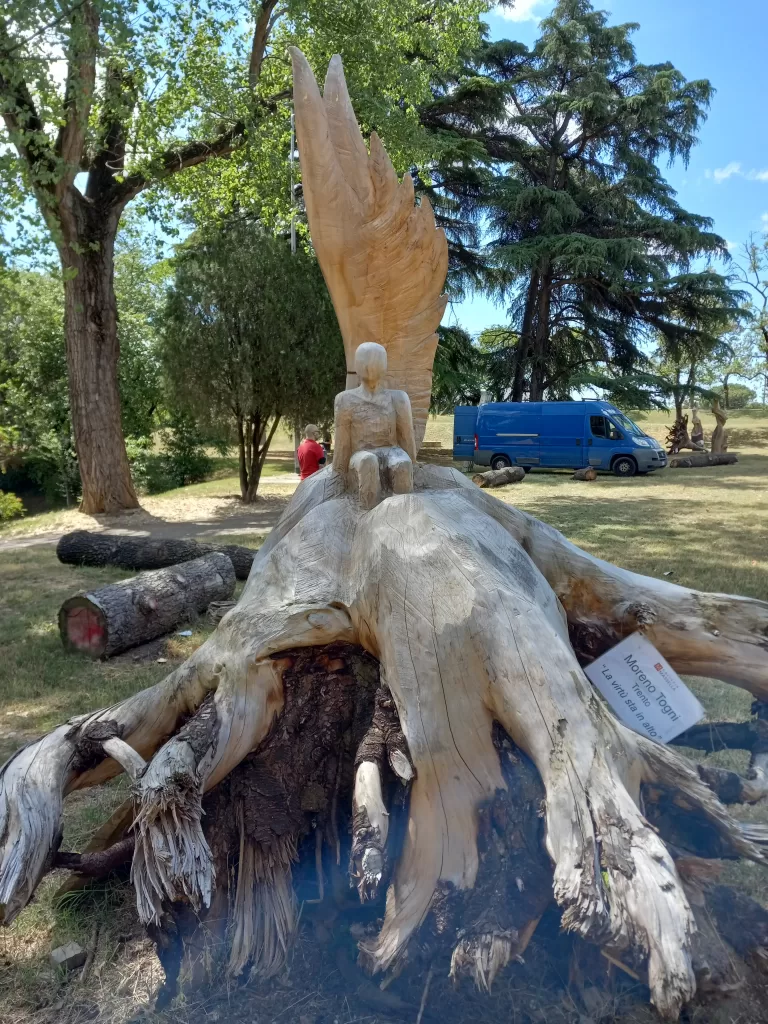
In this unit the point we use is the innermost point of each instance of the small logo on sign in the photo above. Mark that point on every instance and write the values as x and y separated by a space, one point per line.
658 667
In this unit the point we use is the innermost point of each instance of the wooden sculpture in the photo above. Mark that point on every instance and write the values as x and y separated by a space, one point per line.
434 640
373 431
719 434
383 259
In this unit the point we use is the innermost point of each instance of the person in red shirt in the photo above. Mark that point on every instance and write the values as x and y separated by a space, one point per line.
311 454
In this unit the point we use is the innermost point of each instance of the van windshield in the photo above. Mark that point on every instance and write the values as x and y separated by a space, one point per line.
625 422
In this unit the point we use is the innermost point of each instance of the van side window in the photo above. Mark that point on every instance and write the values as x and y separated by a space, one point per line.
597 425
602 427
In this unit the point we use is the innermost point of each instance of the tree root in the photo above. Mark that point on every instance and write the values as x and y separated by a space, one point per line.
475 613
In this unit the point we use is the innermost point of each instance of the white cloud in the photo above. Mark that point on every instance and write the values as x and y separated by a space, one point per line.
733 169
524 10
722 174
764 219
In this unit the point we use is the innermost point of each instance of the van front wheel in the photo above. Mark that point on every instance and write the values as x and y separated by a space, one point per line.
500 462
625 466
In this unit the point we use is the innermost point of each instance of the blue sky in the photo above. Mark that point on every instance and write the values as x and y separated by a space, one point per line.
727 176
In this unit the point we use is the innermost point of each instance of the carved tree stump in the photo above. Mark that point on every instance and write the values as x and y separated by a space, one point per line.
499 477
123 615
83 547
586 473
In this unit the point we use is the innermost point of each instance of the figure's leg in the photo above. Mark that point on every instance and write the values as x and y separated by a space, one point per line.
365 466
400 471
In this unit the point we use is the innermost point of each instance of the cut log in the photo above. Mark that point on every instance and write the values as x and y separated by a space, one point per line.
700 459
123 615
499 477
587 473
83 547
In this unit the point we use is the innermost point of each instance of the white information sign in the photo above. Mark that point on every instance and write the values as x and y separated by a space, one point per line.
643 690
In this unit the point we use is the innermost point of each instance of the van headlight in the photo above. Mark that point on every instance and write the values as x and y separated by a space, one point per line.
642 442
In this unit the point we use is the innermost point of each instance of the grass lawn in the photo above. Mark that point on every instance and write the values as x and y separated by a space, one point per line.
708 527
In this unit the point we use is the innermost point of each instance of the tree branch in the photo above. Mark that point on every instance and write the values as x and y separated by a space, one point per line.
264 25
174 160
119 99
190 154
78 93
24 125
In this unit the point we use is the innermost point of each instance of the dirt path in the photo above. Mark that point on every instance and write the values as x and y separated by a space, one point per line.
193 516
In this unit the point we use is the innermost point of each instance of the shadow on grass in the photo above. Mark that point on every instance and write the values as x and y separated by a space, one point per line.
710 548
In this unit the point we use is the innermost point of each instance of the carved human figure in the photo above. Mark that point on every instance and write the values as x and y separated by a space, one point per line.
697 434
373 431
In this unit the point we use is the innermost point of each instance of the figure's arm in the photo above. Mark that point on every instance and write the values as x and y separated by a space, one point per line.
405 436
342 435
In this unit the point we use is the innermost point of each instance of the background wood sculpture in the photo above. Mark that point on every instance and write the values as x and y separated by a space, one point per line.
431 645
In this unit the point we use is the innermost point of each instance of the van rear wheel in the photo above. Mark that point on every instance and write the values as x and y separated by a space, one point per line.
500 462
625 466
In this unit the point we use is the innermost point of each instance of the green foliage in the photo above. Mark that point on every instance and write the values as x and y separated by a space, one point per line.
148 79
458 374
590 247
739 396
183 459
34 398
140 291
10 506
250 338
36 443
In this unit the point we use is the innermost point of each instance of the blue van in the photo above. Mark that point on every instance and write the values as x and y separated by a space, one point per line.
559 435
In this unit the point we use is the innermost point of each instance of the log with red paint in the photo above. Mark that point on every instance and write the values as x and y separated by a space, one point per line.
122 615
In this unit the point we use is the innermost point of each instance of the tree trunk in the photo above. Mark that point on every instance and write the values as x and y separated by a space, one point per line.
86 548
726 391
541 341
525 339
500 477
90 327
241 457
123 615
586 473
700 459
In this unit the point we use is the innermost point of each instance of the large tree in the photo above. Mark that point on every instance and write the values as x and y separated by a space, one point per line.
250 338
106 99
590 247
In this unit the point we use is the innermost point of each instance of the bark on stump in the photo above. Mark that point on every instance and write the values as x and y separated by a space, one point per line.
123 615
82 547
701 459
587 473
499 477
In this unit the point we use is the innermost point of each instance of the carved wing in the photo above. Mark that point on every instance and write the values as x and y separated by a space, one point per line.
382 257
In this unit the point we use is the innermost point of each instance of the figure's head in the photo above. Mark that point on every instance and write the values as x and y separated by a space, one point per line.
312 431
370 363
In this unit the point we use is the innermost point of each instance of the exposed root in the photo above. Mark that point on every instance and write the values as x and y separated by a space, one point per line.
383 742
30 817
172 859
264 912
680 779
483 956
370 827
